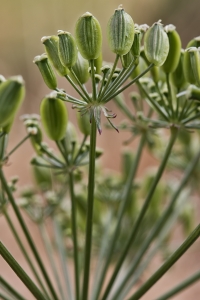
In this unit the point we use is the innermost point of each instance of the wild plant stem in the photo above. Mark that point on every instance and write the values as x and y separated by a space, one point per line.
27 234
122 208
18 145
20 272
90 203
183 285
167 265
5 285
25 253
134 232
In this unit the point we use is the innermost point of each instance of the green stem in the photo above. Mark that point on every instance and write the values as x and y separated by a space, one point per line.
191 118
170 96
159 224
94 90
167 265
5 285
4 297
123 107
80 85
122 208
75 87
183 285
74 233
20 273
49 251
18 145
139 220
81 147
27 234
31 265
90 202
63 257
130 83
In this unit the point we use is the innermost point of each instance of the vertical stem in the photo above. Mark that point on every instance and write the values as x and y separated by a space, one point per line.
20 272
90 202
74 232
167 265
131 239
27 234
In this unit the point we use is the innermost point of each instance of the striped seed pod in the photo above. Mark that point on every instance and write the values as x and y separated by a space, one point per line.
88 36
67 49
187 68
126 59
46 70
12 94
178 78
84 123
81 70
51 47
120 32
54 116
156 44
194 55
135 49
173 56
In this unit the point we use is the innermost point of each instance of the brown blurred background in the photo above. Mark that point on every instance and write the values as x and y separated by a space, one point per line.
22 24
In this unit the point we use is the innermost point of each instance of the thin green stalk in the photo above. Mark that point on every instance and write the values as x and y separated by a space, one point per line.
5 285
48 246
20 272
183 285
185 121
159 224
27 234
74 233
94 90
134 232
170 96
80 84
18 145
122 208
80 148
123 107
130 83
162 98
90 203
25 253
110 76
63 257
168 264
4 297
76 89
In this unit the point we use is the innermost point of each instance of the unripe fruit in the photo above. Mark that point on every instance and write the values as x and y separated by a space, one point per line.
67 49
84 123
81 70
156 44
120 32
172 60
187 68
135 49
98 64
51 47
177 76
54 117
12 94
127 59
88 36
194 54
46 70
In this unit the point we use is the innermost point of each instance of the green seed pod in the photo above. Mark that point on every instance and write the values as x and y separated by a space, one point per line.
195 42
54 116
46 70
187 68
178 78
173 57
194 54
155 73
84 123
67 49
12 93
88 36
51 47
127 59
156 44
81 70
70 138
98 64
35 134
41 175
120 32
135 49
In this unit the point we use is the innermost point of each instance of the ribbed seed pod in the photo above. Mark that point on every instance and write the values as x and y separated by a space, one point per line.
54 116
187 68
120 32
127 59
177 76
172 60
194 54
51 47
84 123
81 70
12 94
135 49
67 49
88 36
46 70
156 44
98 64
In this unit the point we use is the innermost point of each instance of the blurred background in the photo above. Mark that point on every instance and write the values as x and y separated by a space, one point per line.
23 23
